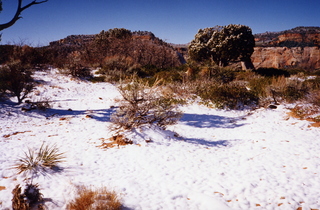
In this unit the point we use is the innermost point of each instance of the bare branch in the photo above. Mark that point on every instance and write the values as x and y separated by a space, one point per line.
32 3
17 16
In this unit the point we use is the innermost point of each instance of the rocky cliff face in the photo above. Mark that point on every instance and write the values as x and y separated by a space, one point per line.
283 57
295 48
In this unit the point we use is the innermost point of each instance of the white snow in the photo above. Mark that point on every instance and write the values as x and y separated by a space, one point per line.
212 159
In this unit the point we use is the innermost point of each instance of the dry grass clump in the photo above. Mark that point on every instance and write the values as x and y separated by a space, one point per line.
18 201
48 157
100 199
290 90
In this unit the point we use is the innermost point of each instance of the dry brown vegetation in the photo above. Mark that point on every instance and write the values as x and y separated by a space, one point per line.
31 198
98 199
116 140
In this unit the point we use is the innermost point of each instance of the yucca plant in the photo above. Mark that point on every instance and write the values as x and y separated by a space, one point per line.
50 156
33 163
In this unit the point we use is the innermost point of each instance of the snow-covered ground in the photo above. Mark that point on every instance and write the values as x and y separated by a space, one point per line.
260 159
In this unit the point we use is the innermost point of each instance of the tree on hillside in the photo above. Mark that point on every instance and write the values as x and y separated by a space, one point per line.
224 44
110 43
17 15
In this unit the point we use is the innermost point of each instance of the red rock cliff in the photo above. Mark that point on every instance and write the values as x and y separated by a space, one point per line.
283 57
294 48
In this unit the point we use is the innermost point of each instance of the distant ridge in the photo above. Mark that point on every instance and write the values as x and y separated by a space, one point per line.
301 36
80 40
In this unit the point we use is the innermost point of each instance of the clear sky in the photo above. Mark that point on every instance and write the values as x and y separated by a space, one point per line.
174 21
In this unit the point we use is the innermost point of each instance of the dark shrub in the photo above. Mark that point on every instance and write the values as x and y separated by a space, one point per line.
272 72
98 79
223 74
17 79
147 71
6 53
317 73
79 71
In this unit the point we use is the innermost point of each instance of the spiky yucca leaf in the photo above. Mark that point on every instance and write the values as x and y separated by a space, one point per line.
49 156
27 163
31 163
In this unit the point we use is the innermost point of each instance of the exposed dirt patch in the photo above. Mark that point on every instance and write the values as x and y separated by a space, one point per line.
15 133
117 140
303 116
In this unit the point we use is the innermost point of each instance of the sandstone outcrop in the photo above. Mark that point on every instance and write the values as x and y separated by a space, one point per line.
283 57
295 48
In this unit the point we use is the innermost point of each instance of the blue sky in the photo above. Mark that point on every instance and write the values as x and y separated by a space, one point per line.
175 21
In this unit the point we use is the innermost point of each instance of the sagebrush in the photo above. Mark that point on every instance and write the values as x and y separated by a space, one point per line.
144 105
16 79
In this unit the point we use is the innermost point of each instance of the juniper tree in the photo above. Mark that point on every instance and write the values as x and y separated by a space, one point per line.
223 44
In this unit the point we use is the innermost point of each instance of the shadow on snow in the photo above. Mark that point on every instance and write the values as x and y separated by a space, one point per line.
102 115
8 108
220 143
210 121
